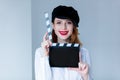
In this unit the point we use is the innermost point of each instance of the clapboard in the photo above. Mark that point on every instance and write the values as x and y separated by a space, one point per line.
62 54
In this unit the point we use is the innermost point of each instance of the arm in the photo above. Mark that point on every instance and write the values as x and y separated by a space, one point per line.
86 59
42 68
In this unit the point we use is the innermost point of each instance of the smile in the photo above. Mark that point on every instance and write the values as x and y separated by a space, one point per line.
63 32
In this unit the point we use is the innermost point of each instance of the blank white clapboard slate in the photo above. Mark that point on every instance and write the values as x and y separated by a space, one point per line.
62 54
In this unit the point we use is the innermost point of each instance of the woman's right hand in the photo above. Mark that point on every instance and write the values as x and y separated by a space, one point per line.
45 44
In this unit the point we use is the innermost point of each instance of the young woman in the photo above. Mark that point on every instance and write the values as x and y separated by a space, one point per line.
65 21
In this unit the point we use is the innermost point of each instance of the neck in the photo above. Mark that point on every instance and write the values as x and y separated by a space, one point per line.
62 41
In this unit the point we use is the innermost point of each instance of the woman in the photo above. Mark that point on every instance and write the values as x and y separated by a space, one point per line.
65 21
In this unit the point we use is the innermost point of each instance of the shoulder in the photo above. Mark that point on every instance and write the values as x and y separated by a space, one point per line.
84 50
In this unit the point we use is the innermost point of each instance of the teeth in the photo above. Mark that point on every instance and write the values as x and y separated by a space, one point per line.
63 32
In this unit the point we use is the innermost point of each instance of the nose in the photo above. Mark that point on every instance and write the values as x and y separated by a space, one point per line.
64 26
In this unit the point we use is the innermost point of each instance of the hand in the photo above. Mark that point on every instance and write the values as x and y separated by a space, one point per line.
82 70
46 44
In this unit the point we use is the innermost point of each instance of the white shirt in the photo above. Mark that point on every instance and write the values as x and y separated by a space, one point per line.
43 71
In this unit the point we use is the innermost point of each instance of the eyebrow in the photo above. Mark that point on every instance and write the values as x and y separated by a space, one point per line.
58 20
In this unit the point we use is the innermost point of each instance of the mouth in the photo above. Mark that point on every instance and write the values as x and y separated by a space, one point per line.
63 32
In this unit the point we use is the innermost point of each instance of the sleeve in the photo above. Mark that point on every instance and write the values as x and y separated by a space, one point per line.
86 58
42 68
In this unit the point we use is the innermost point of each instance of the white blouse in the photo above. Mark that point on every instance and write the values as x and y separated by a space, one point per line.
43 71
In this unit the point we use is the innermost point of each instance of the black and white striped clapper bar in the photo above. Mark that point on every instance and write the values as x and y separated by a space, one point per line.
62 54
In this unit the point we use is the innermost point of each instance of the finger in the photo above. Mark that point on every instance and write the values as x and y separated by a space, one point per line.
80 61
80 67
45 36
50 43
80 57
47 43
84 67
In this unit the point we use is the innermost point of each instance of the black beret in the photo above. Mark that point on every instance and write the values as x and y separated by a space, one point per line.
66 12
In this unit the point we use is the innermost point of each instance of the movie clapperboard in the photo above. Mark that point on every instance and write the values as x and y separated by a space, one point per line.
62 54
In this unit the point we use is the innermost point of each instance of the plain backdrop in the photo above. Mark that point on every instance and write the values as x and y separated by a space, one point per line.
15 40
99 31
22 26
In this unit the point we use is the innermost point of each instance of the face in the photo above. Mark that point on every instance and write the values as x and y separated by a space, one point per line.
63 28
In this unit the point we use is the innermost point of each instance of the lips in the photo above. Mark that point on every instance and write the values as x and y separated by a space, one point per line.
63 32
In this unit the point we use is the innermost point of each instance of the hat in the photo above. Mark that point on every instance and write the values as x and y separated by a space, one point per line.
66 12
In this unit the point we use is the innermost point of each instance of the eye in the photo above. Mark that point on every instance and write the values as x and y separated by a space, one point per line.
69 22
58 22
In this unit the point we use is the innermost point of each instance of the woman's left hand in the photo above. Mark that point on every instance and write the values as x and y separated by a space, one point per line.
82 70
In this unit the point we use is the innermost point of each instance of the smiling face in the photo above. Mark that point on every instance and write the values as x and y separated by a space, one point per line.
63 29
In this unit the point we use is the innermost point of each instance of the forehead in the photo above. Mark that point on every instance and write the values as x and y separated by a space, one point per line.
60 19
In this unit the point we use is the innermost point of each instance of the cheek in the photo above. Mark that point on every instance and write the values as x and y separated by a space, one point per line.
71 30
56 31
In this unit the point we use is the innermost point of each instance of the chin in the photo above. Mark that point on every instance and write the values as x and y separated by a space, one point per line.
64 38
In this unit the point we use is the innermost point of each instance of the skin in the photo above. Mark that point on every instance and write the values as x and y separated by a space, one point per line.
63 29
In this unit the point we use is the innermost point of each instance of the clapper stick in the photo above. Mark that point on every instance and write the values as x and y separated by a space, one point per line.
48 26
62 54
